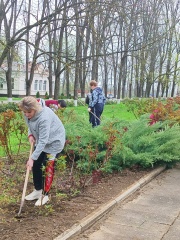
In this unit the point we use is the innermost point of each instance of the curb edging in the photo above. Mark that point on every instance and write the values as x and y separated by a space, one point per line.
89 220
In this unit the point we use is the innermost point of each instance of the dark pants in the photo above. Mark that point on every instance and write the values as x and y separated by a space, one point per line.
41 167
96 114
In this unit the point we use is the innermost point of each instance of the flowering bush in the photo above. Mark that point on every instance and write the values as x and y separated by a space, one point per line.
166 111
159 110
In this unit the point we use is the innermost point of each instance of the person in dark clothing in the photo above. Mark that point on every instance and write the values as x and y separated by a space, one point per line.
88 97
96 103
53 104
87 100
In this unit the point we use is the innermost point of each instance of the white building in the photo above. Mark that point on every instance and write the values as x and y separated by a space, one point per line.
40 81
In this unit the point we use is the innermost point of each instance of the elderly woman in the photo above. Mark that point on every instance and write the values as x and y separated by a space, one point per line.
47 132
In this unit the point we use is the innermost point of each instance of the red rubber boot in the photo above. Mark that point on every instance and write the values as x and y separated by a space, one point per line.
49 174
48 178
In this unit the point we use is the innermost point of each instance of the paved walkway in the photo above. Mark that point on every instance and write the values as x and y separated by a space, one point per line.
151 214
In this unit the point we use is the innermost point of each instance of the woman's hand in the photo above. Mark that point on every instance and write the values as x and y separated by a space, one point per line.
32 139
89 109
30 163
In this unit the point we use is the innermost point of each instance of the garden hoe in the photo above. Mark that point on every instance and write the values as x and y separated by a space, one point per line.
25 184
90 111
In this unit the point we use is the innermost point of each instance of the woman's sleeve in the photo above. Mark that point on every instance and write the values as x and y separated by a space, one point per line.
44 130
95 98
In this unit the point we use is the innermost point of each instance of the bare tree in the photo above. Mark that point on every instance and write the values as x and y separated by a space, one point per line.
9 9
126 45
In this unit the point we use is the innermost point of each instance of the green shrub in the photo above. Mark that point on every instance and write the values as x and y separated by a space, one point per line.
9 106
38 95
116 144
12 133
111 101
163 110
46 95
70 103
61 96
148 145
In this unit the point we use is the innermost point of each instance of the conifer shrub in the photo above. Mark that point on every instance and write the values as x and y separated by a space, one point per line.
37 94
46 95
148 145
117 144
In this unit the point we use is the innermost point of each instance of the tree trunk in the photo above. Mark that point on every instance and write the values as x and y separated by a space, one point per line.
174 77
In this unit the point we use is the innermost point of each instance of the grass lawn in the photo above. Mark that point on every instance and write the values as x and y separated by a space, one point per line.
110 111
5 99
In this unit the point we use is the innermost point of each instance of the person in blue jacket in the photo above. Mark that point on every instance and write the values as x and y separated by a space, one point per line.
96 103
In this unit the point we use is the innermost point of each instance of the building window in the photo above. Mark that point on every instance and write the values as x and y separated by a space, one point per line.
40 85
12 83
1 82
44 85
36 85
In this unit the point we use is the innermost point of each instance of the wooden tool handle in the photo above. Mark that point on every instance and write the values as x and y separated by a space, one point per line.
25 182
27 175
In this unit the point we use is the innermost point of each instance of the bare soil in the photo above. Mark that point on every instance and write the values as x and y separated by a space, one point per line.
49 221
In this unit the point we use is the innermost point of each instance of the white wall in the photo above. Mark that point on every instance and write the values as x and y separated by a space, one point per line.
19 84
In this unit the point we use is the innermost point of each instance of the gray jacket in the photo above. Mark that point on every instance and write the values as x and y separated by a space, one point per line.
48 131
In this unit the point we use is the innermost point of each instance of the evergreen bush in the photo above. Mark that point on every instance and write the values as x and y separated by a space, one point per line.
38 95
46 95
148 145
117 144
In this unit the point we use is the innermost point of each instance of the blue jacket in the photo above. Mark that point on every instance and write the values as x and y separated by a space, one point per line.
97 96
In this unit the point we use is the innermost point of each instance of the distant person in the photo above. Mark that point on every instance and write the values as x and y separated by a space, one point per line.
41 102
88 97
96 103
47 132
53 104
87 100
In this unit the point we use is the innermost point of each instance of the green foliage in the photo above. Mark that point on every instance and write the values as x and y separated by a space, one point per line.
61 163
85 143
148 145
70 103
111 102
46 210
140 106
12 132
62 96
116 144
46 95
161 110
9 106
38 95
